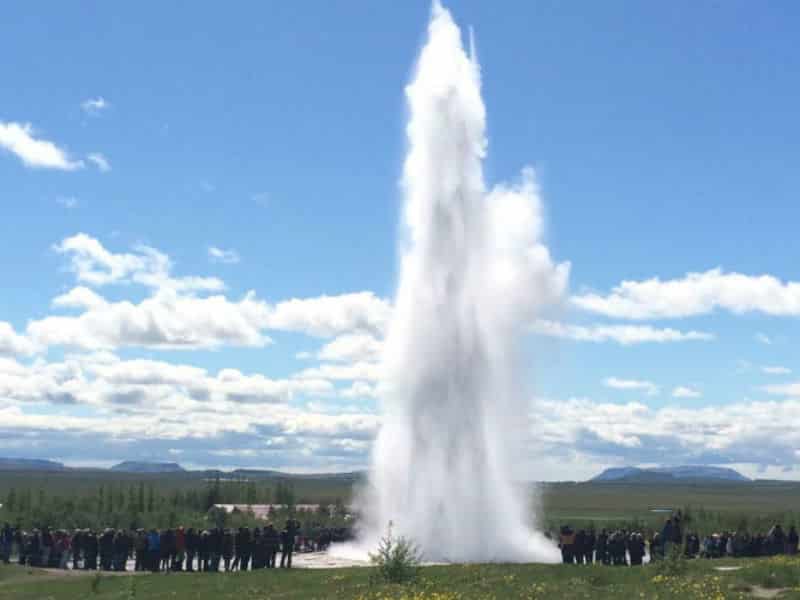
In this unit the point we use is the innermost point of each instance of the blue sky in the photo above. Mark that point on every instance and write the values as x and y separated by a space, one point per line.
664 138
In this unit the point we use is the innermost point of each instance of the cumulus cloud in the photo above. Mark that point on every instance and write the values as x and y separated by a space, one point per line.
13 344
625 335
352 347
92 263
648 387
160 407
695 294
327 316
187 312
218 255
685 391
100 161
364 371
166 320
94 106
755 433
20 140
762 338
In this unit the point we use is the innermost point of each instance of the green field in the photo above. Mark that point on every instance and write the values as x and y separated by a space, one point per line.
775 577
756 505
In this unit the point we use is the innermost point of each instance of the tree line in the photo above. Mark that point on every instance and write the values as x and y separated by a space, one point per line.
131 505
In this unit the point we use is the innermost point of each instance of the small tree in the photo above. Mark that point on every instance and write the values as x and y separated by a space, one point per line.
397 559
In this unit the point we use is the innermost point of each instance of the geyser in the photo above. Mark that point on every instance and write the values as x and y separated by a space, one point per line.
472 274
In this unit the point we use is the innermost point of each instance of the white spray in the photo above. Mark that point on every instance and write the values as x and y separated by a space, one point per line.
473 272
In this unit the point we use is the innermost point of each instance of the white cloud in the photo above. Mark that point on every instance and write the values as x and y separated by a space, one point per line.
363 371
219 255
695 294
360 389
327 316
762 338
100 161
18 138
765 433
94 106
776 370
144 406
167 320
683 391
784 389
621 334
179 313
352 347
13 344
93 264
67 201
648 387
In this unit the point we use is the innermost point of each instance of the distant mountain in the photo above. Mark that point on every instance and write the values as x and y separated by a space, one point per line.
30 464
667 474
132 466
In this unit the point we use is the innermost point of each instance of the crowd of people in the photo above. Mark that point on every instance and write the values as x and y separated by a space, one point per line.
177 549
622 547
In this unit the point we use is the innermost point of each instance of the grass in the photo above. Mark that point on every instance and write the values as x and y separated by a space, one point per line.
455 582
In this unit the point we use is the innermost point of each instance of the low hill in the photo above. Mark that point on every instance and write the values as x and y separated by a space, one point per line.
668 474
30 464
132 466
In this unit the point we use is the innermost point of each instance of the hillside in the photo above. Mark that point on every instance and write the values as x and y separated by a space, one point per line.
667 474
130 466
29 464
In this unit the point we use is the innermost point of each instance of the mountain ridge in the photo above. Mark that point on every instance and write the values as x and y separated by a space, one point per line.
669 474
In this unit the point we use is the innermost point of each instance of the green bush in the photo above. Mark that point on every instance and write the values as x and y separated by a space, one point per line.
673 564
396 561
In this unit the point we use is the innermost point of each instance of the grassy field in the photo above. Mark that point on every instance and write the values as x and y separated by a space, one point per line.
714 505
763 578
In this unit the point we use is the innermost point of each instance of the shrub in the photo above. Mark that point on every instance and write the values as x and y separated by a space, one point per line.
397 559
673 564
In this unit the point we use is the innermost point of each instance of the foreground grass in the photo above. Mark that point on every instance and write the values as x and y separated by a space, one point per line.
778 577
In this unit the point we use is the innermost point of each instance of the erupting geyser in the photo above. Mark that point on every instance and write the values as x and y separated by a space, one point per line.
472 275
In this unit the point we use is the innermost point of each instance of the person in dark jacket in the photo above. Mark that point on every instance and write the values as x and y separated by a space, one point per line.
589 547
287 540
191 548
791 541
227 549
602 547
90 545
273 545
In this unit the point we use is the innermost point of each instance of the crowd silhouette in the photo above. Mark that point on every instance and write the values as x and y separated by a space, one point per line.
632 548
208 550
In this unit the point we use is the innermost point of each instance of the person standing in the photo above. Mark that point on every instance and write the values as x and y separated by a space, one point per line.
292 527
791 541
227 550
273 543
180 549
191 549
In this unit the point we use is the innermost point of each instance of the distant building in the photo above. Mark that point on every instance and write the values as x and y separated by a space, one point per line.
263 511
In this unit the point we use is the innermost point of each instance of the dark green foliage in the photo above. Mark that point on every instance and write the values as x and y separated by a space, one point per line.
397 560
120 501
673 565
